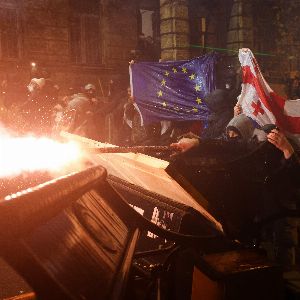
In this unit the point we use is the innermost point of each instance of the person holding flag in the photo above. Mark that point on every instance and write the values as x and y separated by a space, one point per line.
259 102
266 128
173 91
259 106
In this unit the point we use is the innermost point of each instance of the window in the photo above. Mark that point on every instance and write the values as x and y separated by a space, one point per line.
149 34
9 40
198 31
198 26
85 37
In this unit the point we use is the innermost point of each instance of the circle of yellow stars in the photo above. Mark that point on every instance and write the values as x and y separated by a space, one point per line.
192 77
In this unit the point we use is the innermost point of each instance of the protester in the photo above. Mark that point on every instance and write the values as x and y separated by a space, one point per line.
259 181
59 116
281 195
109 115
237 110
240 135
83 106
132 118
38 108
220 103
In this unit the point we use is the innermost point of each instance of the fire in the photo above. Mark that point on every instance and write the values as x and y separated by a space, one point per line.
29 154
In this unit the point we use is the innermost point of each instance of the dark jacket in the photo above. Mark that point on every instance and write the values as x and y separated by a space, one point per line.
220 102
233 173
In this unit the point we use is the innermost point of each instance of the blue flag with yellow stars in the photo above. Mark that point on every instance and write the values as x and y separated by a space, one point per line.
173 90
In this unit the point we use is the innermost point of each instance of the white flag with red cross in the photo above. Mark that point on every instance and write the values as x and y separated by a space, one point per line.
260 103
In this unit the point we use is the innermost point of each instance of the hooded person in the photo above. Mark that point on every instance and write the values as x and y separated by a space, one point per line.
241 136
245 129
246 178
271 167
219 103
203 162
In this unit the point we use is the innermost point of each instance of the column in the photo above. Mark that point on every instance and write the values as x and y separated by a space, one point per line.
174 30
240 31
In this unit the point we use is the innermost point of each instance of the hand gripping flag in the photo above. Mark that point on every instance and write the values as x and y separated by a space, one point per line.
173 90
260 103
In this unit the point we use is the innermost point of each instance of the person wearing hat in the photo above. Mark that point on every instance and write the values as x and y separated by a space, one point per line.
36 84
90 91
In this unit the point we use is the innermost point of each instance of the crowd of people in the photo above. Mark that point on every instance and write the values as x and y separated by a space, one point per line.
112 116
42 108
228 135
260 183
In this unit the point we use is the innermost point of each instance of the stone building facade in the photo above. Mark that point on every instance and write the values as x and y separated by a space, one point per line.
74 41
269 28
80 41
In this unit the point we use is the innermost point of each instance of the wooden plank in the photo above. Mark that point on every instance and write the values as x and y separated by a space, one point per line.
145 171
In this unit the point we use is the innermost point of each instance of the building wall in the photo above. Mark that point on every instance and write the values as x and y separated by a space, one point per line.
208 25
43 30
45 36
269 28
276 36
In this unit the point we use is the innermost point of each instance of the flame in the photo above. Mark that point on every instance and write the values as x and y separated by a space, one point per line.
29 154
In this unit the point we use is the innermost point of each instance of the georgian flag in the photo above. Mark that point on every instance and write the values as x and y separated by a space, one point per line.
260 103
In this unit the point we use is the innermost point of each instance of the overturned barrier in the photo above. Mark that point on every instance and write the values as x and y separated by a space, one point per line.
75 237
67 237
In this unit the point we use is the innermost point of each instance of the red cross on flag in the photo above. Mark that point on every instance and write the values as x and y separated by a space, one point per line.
260 103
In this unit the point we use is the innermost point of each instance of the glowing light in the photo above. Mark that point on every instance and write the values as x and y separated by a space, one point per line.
19 154
33 64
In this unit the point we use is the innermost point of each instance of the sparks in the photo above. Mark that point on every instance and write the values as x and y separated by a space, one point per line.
29 154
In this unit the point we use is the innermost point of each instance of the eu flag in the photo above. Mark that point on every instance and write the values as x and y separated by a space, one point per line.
173 90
